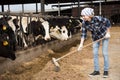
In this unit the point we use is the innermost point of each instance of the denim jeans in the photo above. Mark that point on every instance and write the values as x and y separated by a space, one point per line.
96 45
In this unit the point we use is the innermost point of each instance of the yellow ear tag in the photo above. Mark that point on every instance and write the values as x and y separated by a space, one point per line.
4 27
5 43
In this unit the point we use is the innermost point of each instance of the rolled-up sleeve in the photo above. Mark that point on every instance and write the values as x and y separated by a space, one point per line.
104 21
108 24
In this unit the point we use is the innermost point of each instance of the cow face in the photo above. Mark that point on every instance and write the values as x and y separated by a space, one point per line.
64 33
20 35
7 45
74 25
46 27
4 37
59 28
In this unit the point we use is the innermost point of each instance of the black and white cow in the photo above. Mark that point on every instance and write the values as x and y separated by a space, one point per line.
14 23
38 30
41 30
29 29
58 28
75 25
63 28
20 34
7 40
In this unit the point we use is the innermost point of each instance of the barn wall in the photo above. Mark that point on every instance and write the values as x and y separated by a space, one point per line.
107 11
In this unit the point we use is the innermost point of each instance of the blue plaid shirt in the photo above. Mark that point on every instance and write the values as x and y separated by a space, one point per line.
97 26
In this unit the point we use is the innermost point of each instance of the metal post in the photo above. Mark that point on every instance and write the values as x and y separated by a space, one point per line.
58 8
100 8
2 8
36 7
22 8
42 7
78 8
8 7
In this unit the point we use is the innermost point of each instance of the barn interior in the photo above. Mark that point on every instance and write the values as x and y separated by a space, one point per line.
42 53
100 7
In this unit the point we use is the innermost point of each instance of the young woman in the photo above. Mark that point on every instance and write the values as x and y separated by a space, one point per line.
99 28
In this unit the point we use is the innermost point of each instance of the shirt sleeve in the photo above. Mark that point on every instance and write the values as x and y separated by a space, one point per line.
84 31
104 21
107 23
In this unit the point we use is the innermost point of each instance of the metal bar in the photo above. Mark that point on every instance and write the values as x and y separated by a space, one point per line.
2 8
100 13
35 15
8 7
42 7
36 7
78 8
22 8
58 8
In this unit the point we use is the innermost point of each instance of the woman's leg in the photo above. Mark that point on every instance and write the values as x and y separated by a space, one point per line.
105 43
96 56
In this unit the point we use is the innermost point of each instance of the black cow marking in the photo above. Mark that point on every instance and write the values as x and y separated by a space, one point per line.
7 40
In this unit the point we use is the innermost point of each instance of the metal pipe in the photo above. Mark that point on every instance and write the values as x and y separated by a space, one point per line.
100 13
58 8
2 8
8 7
22 8
42 7
78 8
36 7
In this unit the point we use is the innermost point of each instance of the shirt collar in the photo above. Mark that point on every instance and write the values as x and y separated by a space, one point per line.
92 20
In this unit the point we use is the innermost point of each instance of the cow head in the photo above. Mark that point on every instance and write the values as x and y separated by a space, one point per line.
46 27
64 33
7 44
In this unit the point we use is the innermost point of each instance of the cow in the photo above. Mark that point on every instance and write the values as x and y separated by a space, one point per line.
14 23
38 30
58 28
20 34
63 28
42 30
28 30
7 40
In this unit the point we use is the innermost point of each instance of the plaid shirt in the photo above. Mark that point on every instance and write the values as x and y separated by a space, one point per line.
97 26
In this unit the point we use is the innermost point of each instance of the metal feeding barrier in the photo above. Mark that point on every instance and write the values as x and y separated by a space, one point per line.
35 15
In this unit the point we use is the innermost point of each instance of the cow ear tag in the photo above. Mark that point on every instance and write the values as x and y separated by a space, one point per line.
4 27
5 43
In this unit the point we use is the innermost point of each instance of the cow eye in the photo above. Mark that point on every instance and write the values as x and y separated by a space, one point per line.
64 31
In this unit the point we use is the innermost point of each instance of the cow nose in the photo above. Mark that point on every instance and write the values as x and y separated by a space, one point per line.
47 39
